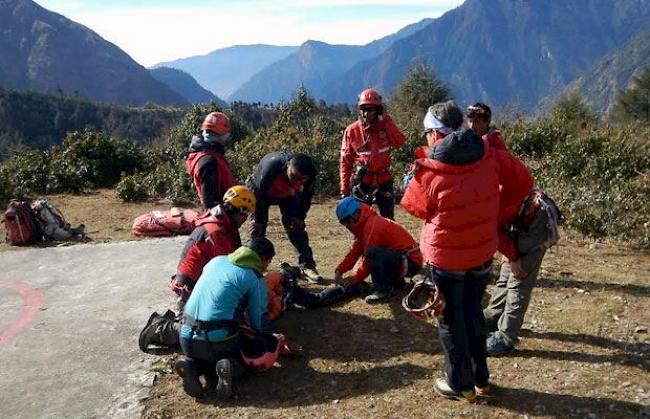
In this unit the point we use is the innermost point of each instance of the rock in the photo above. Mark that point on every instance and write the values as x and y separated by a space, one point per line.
626 384
640 329
336 401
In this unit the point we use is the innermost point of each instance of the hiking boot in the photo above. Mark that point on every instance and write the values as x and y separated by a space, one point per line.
378 297
312 275
148 333
498 344
441 387
160 331
224 385
186 369
482 391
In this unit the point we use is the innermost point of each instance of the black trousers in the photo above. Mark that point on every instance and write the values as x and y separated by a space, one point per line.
385 267
206 354
293 223
461 328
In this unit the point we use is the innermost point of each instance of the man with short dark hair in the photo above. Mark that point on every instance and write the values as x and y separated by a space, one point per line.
286 179
523 232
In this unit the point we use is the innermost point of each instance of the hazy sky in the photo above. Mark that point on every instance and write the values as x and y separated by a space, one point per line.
153 31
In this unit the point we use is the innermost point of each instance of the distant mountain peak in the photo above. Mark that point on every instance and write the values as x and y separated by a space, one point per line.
45 51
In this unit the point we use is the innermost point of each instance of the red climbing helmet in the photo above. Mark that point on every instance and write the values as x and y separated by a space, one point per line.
370 97
216 122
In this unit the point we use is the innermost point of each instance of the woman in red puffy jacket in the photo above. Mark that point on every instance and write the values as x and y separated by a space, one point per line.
456 191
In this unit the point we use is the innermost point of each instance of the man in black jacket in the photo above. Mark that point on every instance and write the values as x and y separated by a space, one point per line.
285 179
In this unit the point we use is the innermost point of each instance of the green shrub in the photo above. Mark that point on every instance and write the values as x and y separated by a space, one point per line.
132 188
26 173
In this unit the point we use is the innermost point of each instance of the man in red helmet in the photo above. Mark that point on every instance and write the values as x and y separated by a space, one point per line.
366 154
211 173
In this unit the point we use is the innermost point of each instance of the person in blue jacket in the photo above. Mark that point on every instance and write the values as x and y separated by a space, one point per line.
230 289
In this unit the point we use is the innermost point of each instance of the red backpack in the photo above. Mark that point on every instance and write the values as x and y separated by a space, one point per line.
22 227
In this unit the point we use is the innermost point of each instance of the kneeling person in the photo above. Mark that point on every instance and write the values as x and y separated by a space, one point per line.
387 250
210 335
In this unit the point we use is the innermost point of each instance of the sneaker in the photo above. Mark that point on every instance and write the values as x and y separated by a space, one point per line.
482 391
224 385
312 275
186 369
377 297
498 345
441 387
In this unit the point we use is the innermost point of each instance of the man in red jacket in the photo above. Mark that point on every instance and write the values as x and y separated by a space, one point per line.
523 230
387 250
216 233
456 191
206 163
366 151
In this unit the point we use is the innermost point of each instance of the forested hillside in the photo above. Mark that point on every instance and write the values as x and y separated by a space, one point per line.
597 171
40 120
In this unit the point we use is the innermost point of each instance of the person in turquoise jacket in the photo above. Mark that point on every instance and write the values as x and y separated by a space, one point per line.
231 288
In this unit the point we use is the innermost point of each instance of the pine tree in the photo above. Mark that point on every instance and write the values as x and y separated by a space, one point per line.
634 102
420 89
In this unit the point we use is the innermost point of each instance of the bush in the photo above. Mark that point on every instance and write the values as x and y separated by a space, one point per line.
132 188
302 126
598 175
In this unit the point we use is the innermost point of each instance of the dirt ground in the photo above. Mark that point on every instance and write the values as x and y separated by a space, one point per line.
584 350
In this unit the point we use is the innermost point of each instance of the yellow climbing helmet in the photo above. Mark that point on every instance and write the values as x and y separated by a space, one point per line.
240 197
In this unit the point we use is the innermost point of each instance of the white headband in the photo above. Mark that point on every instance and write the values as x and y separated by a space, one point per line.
431 122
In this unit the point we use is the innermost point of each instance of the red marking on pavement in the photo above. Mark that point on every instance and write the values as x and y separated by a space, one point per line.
32 303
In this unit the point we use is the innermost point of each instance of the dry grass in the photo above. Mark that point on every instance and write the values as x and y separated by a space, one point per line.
583 352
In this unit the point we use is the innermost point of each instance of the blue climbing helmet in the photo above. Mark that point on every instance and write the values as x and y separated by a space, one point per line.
347 207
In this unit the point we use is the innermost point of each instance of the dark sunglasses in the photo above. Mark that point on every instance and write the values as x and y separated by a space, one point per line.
368 109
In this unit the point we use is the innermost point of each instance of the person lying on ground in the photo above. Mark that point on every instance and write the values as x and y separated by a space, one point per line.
284 292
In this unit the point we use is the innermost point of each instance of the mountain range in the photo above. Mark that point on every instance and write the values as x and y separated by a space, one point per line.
222 71
503 52
506 51
599 85
185 85
497 51
315 65
45 51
